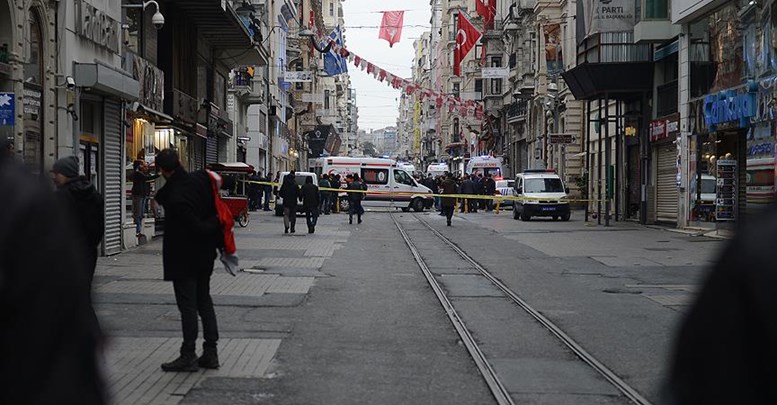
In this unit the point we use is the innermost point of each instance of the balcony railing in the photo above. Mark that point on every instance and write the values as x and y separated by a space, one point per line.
667 99
609 47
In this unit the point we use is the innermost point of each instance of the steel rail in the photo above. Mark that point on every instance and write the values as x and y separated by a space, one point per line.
498 389
584 355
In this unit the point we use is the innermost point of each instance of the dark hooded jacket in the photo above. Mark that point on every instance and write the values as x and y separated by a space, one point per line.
85 209
310 197
192 229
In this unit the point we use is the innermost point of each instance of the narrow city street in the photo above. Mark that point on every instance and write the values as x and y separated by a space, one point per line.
347 315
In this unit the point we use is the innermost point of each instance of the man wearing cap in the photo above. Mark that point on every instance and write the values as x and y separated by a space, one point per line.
85 206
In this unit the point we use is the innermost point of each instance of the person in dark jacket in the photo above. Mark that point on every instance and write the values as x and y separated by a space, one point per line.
489 189
448 186
726 348
334 182
290 192
355 199
85 206
192 235
254 191
325 198
141 189
310 202
467 187
49 343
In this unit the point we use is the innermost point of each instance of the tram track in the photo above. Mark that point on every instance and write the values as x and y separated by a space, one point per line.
492 379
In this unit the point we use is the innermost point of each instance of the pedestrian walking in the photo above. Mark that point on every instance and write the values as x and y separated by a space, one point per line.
141 190
449 187
84 205
311 201
50 343
355 197
479 190
192 235
325 199
290 193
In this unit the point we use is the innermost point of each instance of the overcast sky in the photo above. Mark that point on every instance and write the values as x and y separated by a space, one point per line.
378 103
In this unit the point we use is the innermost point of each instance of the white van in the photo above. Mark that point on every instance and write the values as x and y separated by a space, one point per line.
437 169
485 165
299 178
545 196
382 177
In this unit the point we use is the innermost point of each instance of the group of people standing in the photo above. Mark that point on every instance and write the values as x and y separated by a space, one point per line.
471 184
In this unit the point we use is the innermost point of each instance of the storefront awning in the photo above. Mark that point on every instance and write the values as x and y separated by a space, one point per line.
107 80
620 80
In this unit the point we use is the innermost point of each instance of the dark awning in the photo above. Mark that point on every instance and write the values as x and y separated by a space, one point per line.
589 81
217 22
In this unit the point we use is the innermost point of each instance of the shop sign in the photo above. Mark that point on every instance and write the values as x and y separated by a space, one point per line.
32 100
495 72
303 76
728 106
96 26
658 130
7 108
608 16
152 83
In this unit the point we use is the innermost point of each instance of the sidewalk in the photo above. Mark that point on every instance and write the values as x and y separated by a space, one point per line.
138 313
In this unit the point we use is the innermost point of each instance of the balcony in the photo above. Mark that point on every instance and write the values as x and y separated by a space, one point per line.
517 111
610 63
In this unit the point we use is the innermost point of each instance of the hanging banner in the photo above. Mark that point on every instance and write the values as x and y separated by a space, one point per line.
466 38
303 76
610 16
391 26
495 72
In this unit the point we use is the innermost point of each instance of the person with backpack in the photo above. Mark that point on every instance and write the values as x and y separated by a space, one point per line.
355 199
192 234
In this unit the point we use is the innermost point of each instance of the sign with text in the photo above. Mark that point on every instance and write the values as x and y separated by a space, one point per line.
495 72
303 76
562 138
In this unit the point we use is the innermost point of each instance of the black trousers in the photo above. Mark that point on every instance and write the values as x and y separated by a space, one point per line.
448 211
311 217
192 294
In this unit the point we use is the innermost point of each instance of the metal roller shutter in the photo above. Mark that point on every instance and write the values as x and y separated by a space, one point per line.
666 183
111 147
212 150
198 154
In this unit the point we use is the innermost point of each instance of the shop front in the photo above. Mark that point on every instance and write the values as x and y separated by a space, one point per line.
664 134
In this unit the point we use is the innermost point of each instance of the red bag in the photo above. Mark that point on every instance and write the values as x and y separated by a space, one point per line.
224 214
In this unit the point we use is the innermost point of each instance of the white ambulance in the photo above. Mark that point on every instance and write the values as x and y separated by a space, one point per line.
437 169
485 165
383 178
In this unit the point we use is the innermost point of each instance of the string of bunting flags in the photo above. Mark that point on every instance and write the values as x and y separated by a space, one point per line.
455 104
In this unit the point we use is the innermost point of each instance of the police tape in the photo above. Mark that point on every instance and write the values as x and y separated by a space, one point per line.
457 196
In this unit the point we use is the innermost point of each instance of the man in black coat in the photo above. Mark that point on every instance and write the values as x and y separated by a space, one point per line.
448 204
726 348
84 205
192 235
467 187
289 192
310 202
49 341
489 188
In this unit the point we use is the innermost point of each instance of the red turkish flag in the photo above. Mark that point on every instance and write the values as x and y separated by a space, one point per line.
487 10
391 26
466 38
